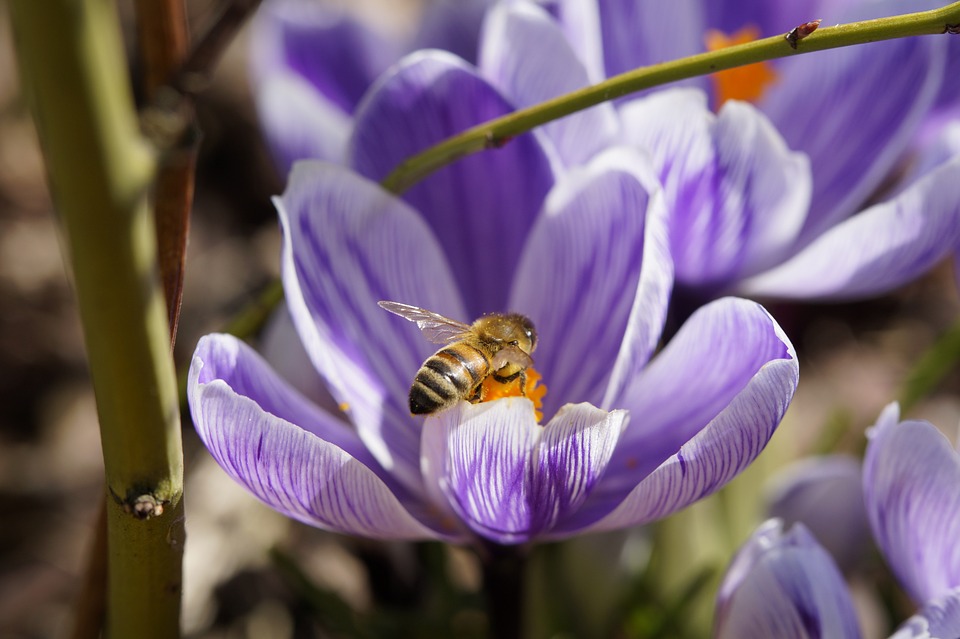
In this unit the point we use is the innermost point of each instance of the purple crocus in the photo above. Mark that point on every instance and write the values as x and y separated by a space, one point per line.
628 437
826 495
312 62
783 584
761 198
910 478
911 484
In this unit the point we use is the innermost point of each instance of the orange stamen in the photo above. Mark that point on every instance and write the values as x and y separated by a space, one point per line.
491 389
743 83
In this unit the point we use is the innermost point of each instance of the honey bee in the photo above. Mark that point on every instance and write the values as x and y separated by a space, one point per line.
497 345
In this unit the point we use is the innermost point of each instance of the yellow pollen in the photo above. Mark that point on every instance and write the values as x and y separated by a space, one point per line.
743 83
343 406
491 389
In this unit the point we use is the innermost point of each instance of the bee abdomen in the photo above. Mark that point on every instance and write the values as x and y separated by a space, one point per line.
446 377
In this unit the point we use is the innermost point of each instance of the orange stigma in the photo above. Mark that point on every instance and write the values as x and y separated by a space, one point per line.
743 83
491 389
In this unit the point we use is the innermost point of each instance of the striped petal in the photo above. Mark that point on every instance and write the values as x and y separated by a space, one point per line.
877 250
784 585
853 117
526 55
507 477
482 207
294 457
737 195
595 278
939 619
347 245
910 479
702 411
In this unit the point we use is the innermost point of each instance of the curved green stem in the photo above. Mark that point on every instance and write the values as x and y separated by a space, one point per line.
496 133
100 170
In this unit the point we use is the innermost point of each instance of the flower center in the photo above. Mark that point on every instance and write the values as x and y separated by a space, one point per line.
743 83
492 389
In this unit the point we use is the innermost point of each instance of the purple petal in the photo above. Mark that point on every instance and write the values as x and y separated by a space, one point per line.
853 116
509 478
770 18
587 279
337 55
941 144
637 34
702 411
910 479
282 349
949 97
453 27
737 196
580 22
939 619
294 457
826 495
299 123
883 247
615 36
784 585
525 55
481 207
348 244
574 452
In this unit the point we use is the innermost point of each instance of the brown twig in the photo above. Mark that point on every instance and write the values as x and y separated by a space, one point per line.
164 39
193 76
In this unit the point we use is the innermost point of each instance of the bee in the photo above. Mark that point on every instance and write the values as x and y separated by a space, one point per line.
497 345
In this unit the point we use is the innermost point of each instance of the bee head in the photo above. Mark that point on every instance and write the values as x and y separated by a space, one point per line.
522 332
512 329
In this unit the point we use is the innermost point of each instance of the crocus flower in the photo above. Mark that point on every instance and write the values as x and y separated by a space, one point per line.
910 478
760 197
627 439
826 495
783 584
312 62
911 483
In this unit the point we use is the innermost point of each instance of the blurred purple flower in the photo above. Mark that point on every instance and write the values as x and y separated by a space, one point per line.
826 495
911 483
784 585
911 475
748 215
312 62
583 254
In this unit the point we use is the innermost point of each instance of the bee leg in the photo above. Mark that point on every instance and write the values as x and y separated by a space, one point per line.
523 383
476 395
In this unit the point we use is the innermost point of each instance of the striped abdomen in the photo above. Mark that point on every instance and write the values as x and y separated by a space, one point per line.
451 374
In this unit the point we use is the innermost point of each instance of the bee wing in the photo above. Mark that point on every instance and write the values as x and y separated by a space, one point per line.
511 355
435 327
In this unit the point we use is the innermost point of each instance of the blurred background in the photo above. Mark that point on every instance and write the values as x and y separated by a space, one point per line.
250 572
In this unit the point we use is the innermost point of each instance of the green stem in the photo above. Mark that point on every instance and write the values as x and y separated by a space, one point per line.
496 133
71 57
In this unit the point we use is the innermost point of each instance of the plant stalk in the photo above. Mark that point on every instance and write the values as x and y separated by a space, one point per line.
100 169
504 570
